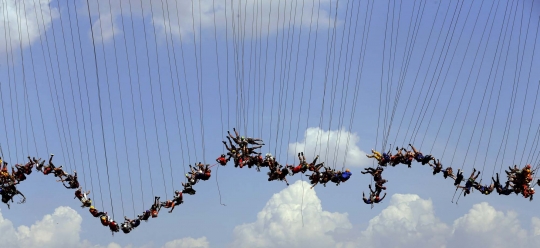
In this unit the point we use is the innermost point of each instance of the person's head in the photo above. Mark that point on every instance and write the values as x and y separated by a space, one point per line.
222 155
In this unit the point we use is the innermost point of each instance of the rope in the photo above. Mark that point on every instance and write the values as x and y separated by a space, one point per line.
344 92
420 120
24 80
520 67
81 104
73 95
70 154
109 98
141 108
10 55
512 99
405 62
122 107
187 93
496 51
153 106
99 101
172 85
359 72
26 103
90 113
416 77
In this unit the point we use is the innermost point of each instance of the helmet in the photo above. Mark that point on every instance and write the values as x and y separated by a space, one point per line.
92 207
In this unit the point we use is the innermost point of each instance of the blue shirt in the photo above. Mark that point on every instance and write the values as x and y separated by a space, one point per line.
346 175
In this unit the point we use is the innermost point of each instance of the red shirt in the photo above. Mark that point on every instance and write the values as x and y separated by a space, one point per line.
222 160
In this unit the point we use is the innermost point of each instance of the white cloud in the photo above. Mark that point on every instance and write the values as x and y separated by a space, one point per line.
188 243
279 224
62 229
484 226
23 22
408 221
179 16
104 29
317 141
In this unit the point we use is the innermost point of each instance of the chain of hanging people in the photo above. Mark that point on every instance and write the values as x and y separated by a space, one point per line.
243 152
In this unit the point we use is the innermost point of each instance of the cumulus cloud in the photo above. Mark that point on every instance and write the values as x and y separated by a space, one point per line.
487 227
340 143
279 223
187 17
106 29
23 22
188 243
408 221
62 229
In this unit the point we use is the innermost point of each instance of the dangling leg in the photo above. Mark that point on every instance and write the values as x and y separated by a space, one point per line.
50 162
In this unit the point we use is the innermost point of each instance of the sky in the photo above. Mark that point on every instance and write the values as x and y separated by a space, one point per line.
130 92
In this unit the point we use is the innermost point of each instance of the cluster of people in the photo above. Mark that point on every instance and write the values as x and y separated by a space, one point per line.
519 180
9 181
243 154
240 149
129 224
18 174
374 195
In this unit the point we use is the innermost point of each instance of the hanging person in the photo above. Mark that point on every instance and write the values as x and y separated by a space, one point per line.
95 212
375 154
470 183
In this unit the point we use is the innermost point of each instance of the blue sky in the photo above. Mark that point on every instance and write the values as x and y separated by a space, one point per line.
336 78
